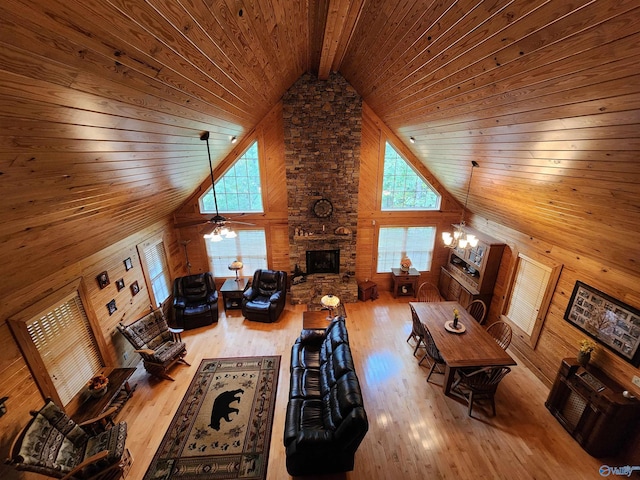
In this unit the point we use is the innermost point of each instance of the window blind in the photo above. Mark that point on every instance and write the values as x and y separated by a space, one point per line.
156 261
414 242
532 279
65 342
250 247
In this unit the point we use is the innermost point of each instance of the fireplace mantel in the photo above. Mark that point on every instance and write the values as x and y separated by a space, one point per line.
326 237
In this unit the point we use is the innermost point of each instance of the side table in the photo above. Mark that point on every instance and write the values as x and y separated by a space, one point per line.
409 280
84 407
232 291
367 290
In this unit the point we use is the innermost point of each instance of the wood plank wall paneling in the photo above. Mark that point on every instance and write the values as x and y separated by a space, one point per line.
15 378
558 338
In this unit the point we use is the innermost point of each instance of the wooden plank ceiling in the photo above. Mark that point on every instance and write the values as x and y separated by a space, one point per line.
102 103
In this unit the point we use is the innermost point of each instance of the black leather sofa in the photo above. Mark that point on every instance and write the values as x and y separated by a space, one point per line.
326 419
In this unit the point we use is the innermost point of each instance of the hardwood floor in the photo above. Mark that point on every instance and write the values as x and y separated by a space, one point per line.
415 431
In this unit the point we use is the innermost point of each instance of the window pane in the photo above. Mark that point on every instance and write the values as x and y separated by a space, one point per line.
394 243
250 247
239 189
403 188
158 271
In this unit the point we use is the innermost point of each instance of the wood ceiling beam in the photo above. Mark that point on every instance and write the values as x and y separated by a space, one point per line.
333 28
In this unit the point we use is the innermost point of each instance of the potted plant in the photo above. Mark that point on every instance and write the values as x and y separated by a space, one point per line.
98 385
584 354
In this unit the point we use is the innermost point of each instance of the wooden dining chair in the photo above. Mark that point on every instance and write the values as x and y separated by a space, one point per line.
477 309
432 353
416 330
428 292
479 384
501 332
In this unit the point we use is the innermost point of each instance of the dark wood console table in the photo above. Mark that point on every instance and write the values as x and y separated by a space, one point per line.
84 407
592 408
232 291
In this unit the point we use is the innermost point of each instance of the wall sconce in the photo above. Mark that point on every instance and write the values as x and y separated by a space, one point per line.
3 407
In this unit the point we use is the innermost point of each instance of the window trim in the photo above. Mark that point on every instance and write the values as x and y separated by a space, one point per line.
220 172
18 324
376 250
545 303
141 247
384 142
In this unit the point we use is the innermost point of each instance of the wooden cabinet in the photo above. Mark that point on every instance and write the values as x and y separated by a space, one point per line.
405 283
592 408
470 273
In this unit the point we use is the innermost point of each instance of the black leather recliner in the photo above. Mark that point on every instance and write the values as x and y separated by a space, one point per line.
195 300
264 300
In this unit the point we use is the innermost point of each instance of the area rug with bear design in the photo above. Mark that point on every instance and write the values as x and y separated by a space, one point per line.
222 428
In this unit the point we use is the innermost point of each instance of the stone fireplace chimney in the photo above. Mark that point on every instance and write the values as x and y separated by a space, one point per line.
322 137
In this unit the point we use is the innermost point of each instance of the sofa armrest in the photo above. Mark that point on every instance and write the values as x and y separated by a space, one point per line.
313 439
179 303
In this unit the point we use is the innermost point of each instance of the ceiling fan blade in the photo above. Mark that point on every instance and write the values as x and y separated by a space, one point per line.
240 223
193 223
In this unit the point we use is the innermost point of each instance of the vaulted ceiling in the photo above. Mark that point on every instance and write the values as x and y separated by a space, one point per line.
102 103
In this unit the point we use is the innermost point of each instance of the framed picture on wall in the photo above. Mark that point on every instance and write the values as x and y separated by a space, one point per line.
103 279
135 288
128 264
611 322
120 284
111 307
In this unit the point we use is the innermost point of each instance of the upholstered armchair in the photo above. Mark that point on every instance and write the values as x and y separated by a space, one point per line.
159 345
195 300
53 445
264 300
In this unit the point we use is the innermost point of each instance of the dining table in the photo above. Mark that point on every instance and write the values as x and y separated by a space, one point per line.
469 346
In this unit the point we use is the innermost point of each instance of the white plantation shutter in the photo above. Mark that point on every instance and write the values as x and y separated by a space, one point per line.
156 261
530 286
66 344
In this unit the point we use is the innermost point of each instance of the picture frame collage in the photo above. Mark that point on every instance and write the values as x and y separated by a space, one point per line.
103 282
611 322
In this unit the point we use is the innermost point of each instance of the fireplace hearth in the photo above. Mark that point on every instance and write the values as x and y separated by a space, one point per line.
323 261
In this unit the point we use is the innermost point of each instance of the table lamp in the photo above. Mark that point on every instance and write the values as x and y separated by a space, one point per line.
236 265
330 302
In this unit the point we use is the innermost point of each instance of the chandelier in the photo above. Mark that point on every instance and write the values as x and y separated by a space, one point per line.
459 238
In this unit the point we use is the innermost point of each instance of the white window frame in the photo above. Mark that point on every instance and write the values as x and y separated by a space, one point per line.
404 249
531 290
428 185
158 282
220 190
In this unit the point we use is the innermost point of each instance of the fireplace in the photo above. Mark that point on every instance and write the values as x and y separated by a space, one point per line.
323 261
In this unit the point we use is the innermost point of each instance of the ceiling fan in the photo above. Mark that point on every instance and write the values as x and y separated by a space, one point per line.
219 222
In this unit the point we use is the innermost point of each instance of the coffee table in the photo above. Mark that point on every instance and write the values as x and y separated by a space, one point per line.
232 291
315 320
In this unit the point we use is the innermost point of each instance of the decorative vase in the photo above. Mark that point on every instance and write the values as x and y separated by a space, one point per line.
98 392
583 358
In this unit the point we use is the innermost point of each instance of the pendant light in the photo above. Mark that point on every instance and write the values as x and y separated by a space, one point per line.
459 238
